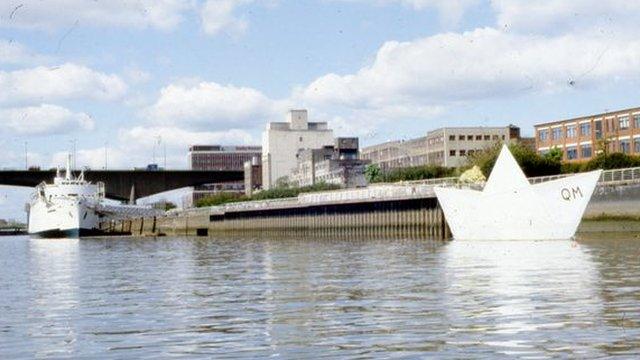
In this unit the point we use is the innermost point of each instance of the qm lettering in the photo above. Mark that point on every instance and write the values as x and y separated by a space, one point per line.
571 194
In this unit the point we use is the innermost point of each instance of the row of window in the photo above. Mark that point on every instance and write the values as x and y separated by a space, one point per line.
625 146
623 122
572 132
476 137
585 128
463 152
586 150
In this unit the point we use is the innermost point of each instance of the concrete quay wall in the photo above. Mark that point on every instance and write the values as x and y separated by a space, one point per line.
420 217
405 209
614 200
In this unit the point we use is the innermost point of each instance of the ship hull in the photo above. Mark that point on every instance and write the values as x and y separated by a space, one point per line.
63 218
66 234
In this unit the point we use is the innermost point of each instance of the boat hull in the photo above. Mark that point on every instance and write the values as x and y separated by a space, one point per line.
66 234
63 218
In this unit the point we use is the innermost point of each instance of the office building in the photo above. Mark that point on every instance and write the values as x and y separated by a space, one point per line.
446 147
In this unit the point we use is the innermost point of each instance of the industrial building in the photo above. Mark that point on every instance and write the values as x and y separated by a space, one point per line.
448 147
334 164
219 157
582 138
281 142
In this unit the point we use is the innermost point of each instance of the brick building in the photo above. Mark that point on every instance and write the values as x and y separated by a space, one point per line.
581 138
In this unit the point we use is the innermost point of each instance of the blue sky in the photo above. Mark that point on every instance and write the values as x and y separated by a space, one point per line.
131 74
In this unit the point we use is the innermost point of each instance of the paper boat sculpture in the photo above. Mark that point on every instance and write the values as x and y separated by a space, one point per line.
510 208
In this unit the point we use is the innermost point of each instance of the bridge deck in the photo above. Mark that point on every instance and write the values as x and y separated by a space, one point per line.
119 183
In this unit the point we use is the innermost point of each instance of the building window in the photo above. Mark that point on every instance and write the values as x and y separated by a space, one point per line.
636 145
300 138
625 146
452 138
543 135
496 137
470 152
463 152
571 131
556 133
598 126
452 153
623 122
585 129
478 137
585 151
636 121
487 137
572 153
461 137
469 137
503 137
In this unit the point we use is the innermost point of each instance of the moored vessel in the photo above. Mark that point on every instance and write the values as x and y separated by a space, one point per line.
72 207
65 208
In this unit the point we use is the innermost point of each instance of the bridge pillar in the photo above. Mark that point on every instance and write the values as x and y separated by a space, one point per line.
132 195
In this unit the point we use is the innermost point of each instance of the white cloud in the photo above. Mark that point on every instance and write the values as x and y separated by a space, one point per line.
553 16
68 81
12 52
51 14
218 15
480 64
207 104
45 119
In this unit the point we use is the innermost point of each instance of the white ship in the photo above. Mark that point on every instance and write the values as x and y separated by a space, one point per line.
72 207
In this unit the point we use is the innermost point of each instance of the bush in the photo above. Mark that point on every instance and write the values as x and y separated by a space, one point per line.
372 173
611 161
532 163
410 174
275 193
220 198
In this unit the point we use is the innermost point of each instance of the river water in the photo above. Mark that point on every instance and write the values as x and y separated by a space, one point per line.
309 298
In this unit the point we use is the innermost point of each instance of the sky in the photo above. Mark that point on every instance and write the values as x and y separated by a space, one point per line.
130 78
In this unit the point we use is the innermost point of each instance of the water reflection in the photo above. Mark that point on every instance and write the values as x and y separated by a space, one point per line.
512 292
301 298
53 279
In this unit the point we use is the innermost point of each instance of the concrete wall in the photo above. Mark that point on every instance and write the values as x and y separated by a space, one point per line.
614 200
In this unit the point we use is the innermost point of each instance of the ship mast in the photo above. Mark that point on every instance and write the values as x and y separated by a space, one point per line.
68 173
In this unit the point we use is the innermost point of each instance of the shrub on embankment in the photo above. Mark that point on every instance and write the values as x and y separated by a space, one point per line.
534 164
275 193
373 174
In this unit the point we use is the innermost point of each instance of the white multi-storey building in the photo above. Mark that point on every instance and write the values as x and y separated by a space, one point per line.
281 141
448 147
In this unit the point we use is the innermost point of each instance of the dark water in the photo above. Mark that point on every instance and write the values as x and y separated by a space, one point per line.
257 298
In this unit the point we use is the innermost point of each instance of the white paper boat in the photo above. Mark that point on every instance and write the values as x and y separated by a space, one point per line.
510 208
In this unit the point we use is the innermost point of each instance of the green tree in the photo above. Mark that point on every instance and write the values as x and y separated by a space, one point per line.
532 163
372 173
554 155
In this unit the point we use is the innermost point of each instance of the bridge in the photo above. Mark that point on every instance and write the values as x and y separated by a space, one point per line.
128 184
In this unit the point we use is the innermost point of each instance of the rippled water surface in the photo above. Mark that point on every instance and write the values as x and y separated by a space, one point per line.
310 298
